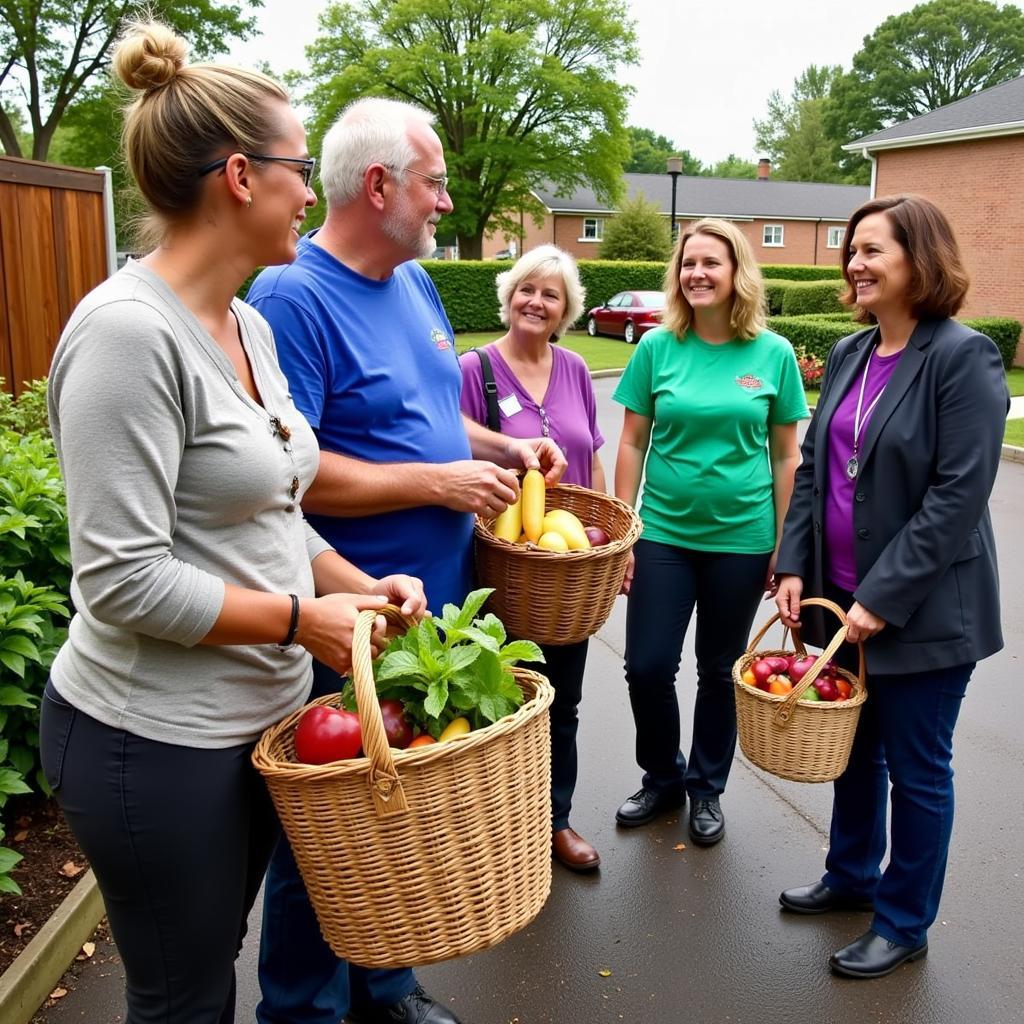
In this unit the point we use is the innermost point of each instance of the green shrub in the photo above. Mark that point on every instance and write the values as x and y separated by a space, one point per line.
1003 330
775 291
800 272
803 298
638 232
817 334
25 414
814 336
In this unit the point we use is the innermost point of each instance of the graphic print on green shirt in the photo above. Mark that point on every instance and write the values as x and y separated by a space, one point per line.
708 481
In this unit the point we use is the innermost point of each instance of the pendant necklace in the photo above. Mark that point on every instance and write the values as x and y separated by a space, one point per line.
852 464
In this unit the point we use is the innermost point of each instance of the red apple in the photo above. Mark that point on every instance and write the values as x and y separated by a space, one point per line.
325 734
799 667
597 536
762 670
397 726
826 689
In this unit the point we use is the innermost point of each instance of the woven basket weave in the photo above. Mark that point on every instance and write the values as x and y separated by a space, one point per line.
416 856
799 740
558 597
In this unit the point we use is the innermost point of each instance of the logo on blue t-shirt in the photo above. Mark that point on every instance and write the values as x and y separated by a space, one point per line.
440 339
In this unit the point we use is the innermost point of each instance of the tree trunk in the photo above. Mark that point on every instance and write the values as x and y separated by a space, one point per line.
8 138
471 247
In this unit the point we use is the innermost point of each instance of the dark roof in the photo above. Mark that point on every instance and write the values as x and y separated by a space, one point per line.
997 106
724 197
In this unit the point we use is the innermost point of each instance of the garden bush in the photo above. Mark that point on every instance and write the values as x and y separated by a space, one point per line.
803 298
775 291
800 272
1003 330
35 577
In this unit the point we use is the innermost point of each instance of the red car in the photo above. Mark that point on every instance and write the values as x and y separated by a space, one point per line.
627 315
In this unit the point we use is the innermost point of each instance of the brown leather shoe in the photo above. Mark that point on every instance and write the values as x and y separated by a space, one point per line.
574 851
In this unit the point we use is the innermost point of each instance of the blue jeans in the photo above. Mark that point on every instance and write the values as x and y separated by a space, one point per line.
668 583
302 981
905 734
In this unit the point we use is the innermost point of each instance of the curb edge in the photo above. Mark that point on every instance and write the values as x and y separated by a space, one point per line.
25 985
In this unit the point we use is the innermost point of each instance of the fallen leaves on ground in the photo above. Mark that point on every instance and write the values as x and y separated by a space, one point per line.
71 869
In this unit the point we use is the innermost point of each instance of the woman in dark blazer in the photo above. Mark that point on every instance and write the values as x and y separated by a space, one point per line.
889 518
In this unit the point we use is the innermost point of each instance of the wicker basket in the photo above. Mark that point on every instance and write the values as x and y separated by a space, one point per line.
416 856
799 740
558 597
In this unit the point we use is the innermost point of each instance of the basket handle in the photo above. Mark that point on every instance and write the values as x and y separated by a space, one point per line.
385 782
786 708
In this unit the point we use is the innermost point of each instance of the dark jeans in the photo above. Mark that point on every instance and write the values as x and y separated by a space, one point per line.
564 667
668 582
904 735
179 838
302 981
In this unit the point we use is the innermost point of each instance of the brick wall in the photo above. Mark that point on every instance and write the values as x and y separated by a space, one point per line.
980 187
802 241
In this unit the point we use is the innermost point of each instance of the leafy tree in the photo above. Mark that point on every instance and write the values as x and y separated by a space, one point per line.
18 128
793 133
526 92
731 167
637 232
649 153
53 52
930 56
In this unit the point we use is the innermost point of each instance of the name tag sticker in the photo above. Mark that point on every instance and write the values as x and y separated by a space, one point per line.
509 405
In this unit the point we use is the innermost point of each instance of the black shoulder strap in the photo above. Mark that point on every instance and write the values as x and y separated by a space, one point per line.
490 391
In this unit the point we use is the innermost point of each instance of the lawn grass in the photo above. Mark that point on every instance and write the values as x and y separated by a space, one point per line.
613 354
599 353
1014 433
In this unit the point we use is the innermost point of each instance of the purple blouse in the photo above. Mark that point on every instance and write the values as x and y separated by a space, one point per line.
568 413
841 565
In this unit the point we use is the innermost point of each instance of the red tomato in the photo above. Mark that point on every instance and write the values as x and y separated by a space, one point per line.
844 688
326 734
423 740
396 723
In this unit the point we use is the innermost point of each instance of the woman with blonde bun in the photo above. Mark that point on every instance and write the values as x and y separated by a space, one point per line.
200 592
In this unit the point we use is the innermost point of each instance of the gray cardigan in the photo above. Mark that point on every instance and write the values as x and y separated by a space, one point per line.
924 545
177 483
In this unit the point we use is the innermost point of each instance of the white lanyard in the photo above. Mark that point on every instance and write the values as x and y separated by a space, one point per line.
852 465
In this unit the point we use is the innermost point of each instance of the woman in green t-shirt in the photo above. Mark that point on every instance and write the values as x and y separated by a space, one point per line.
712 401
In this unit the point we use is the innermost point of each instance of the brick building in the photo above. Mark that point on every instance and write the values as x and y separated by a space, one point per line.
785 221
968 158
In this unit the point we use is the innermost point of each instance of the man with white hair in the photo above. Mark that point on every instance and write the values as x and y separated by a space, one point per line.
370 359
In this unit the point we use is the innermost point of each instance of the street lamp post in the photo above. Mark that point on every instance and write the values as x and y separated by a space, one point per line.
675 168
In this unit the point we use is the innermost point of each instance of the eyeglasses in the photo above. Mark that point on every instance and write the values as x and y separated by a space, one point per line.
306 162
440 184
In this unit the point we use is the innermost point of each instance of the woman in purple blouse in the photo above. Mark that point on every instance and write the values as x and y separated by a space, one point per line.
544 390
889 518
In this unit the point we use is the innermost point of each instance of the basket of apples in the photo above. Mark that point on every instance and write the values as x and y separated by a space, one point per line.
556 560
796 713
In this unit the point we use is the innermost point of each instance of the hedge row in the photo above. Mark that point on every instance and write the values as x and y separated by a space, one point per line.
800 272
803 298
817 334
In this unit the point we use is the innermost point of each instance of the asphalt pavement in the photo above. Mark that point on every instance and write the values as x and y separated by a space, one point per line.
667 932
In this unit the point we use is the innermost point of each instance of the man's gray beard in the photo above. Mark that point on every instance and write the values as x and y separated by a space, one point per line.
397 228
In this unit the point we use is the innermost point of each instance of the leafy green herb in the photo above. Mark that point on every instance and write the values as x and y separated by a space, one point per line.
455 665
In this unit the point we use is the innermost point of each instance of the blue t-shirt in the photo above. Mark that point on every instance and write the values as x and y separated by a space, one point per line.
372 366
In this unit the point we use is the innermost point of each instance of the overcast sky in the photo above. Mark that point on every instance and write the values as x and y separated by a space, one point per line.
706 67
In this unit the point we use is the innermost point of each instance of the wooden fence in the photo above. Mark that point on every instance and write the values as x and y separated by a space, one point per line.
55 246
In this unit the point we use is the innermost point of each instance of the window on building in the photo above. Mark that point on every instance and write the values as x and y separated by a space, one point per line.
593 229
772 234
835 236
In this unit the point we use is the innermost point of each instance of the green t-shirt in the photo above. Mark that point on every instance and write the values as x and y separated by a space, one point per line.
708 479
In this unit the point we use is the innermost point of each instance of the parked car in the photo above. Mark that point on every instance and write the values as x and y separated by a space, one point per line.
628 315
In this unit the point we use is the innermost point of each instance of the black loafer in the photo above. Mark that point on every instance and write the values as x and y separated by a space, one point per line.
818 898
707 823
645 805
871 956
415 1008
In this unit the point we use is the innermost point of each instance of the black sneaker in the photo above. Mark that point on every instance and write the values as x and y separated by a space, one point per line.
645 805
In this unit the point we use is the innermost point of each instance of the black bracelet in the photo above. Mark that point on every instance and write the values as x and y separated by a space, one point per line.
293 625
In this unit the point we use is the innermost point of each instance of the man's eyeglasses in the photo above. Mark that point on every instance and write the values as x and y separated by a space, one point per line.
307 163
440 185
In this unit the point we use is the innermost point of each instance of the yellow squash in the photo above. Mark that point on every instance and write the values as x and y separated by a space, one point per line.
456 727
552 541
533 504
509 523
561 520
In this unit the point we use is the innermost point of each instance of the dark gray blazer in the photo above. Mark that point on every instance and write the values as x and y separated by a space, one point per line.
924 546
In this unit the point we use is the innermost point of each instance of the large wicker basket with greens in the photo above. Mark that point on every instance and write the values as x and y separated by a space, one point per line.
420 855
